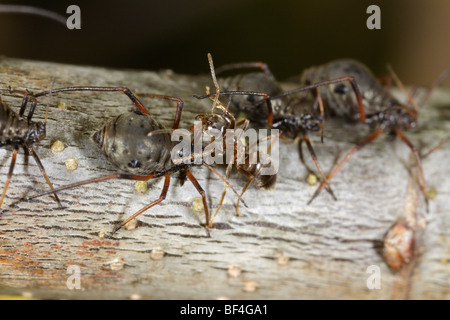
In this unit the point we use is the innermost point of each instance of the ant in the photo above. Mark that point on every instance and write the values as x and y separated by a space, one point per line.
139 145
221 126
17 131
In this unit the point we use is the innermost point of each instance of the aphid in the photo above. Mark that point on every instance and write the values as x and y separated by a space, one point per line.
16 130
380 108
280 110
138 145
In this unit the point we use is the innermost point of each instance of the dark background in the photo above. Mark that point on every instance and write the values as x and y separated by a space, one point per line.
288 35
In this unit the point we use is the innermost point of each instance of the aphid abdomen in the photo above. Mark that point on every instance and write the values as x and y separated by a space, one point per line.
126 142
339 98
256 82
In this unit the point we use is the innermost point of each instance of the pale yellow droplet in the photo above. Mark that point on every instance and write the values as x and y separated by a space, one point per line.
62 106
250 286
71 164
234 271
157 253
131 225
311 179
57 146
432 193
117 264
283 259
197 205
141 187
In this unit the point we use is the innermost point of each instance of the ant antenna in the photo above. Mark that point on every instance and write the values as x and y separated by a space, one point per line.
216 84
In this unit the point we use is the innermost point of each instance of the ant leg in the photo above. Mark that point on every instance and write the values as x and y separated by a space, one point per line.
224 192
125 90
202 193
11 169
160 199
259 65
423 185
250 180
359 146
314 157
180 103
362 114
41 167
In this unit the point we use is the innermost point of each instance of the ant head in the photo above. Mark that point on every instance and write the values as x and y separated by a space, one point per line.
214 123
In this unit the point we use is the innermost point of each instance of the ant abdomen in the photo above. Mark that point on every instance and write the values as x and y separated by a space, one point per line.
128 142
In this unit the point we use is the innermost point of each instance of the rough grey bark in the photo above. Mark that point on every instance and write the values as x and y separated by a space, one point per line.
288 249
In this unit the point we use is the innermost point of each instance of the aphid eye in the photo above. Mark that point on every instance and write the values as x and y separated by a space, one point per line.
134 163
341 89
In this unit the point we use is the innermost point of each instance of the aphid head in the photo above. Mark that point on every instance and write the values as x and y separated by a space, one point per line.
311 123
288 125
401 117
36 133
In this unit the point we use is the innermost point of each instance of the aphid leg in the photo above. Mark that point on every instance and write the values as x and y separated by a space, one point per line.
41 167
360 145
11 169
233 66
422 185
160 199
180 103
125 90
440 144
399 84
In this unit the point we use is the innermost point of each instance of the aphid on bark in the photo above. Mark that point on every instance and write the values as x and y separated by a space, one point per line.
17 131
380 108
139 146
